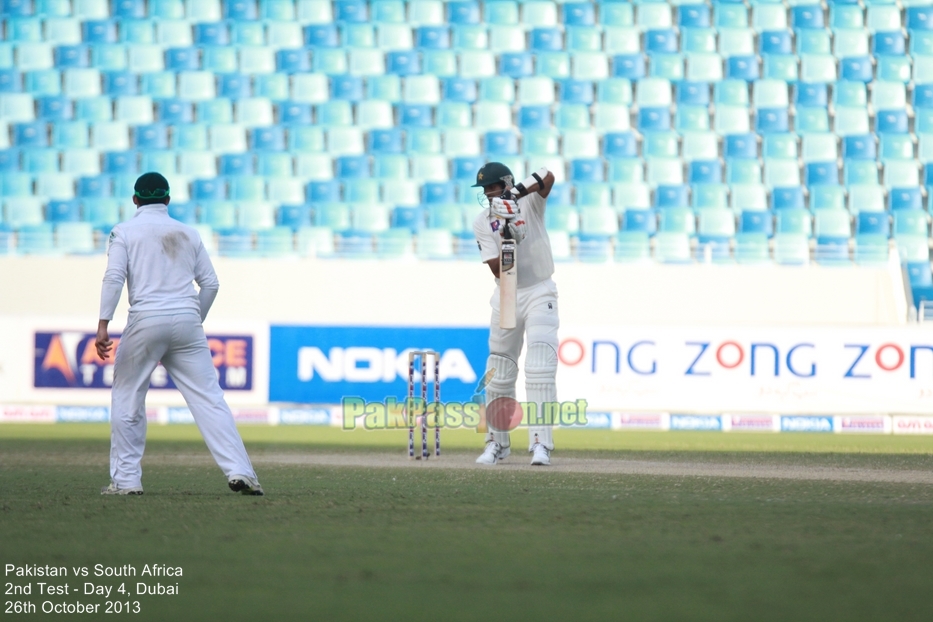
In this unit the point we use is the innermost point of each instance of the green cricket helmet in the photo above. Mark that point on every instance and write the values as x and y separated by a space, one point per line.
493 173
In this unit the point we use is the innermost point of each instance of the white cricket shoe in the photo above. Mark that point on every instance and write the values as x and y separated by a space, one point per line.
112 489
493 453
245 485
540 455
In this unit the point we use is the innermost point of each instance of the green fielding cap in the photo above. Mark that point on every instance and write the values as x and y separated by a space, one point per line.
151 186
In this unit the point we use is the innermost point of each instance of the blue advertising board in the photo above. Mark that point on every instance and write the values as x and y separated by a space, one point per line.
68 360
324 364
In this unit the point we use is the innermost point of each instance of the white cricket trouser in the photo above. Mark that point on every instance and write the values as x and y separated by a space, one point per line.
537 318
178 341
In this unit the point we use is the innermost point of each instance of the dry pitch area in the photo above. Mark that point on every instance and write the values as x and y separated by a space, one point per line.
640 526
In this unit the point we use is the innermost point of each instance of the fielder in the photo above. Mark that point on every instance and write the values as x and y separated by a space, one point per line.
158 258
520 208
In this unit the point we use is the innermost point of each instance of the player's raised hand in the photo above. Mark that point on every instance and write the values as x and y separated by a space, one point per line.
504 208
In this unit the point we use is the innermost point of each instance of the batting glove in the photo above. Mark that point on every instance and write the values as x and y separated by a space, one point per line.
517 229
504 208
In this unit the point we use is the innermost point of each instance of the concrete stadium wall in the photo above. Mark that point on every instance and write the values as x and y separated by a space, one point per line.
457 293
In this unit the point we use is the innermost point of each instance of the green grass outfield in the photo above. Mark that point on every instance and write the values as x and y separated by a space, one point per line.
395 541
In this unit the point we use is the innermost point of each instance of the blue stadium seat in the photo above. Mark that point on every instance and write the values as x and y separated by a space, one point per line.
403 63
810 16
239 10
459 90
31 134
146 137
856 69
232 164
891 121
547 40
171 111
354 11
54 108
9 160
704 172
346 87
620 145
771 120
182 59
534 117
575 91
67 56
500 143
208 190
99 31
415 115
323 191
787 198
211 33
775 42
888 43
432 37
321 36
292 61
293 216
640 220
233 86
11 81
693 16
587 170
409 218
827 197
740 146
439 192
460 12
693 93
742 68
40 160
97 186
873 223
671 196
267 138
382 141
731 92
630 66
756 222
294 113
117 83
905 198
465 167
579 14
664 41
63 211
859 147
516 64
793 220
352 167
821 173
654 119
811 94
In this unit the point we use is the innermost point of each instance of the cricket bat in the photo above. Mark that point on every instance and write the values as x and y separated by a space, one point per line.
508 281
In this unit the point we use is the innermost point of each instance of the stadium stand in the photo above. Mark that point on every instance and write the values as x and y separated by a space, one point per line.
701 131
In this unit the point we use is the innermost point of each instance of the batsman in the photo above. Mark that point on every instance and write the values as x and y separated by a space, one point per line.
514 244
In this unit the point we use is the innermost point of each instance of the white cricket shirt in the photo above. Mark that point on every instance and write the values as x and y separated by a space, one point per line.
158 258
534 259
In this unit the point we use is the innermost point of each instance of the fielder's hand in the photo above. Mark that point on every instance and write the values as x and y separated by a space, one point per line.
504 208
517 228
103 342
